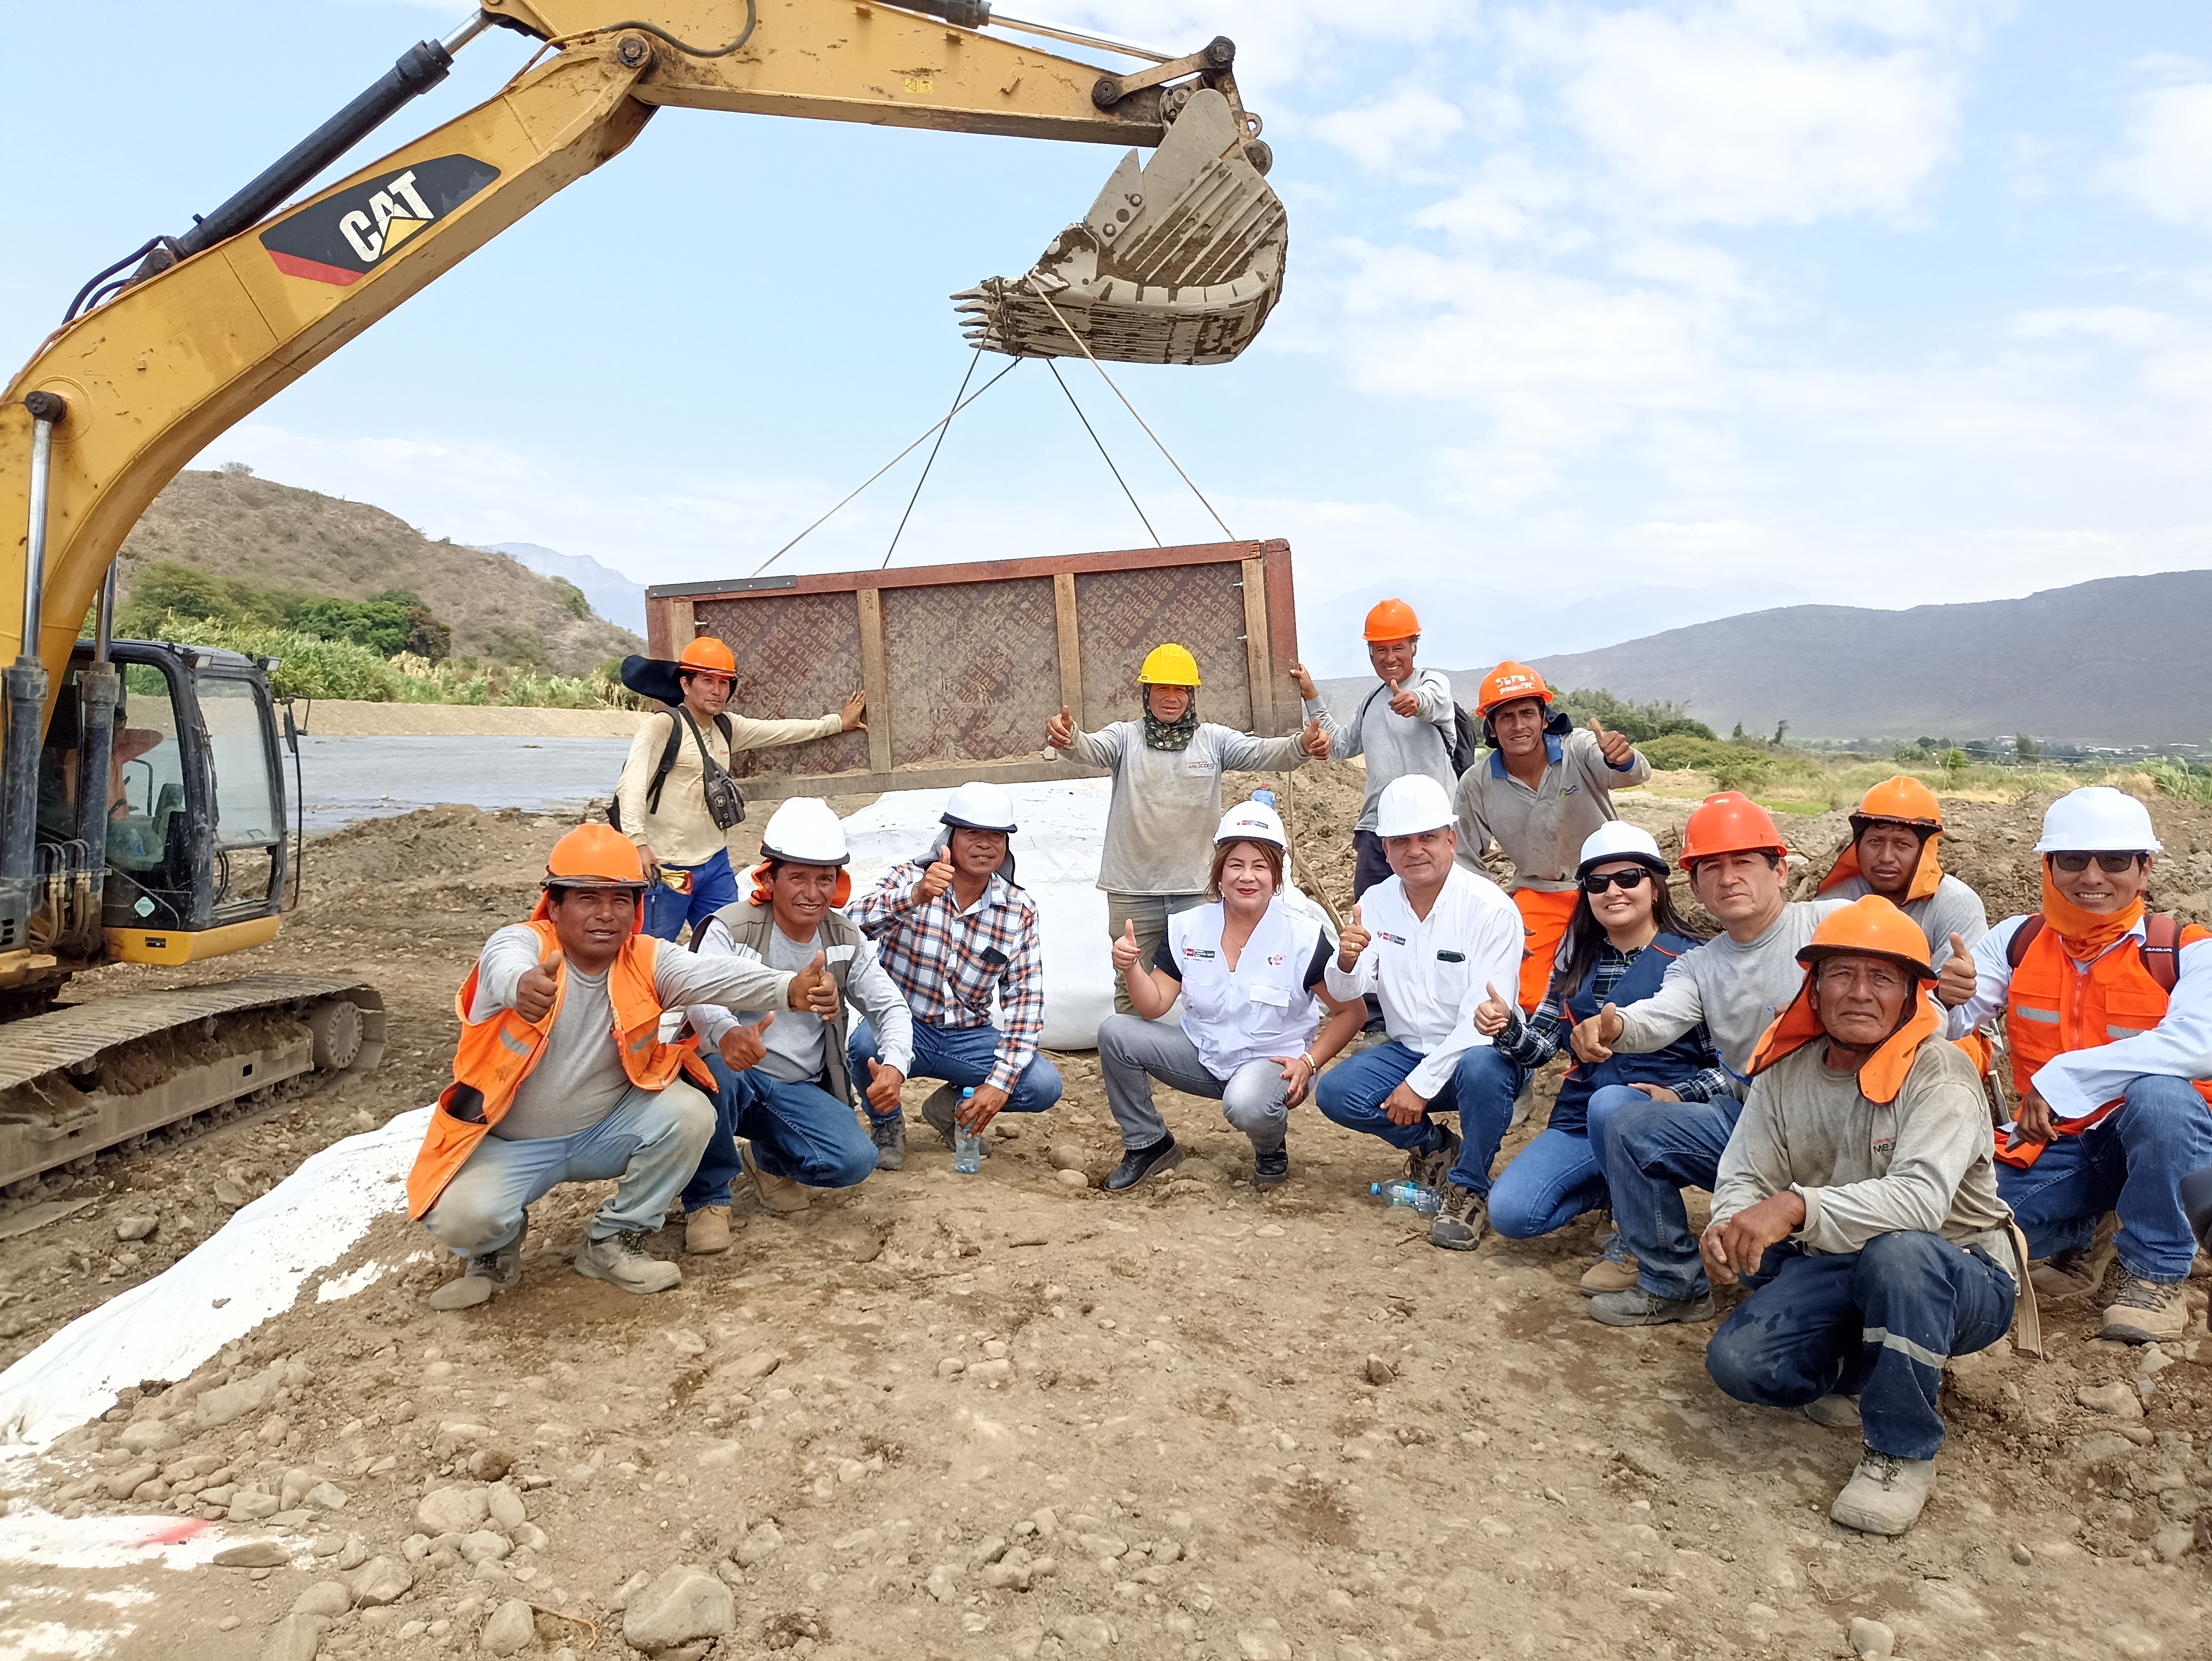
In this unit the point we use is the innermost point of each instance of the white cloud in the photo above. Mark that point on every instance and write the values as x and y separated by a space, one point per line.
1381 137
2162 166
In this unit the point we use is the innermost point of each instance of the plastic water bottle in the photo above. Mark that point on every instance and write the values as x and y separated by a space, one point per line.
1412 1196
968 1145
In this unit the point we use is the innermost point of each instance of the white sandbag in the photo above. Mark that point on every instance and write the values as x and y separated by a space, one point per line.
249 1270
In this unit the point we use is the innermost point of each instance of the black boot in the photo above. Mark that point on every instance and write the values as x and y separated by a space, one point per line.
1271 1166
1138 1163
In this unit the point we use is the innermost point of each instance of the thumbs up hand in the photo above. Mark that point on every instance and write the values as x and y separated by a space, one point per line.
935 880
1593 1039
1493 1014
1126 949
1355 940
535 991
1617 750
884 1084
743 1047
814 991
1060 731
1313 741
1955 985
1407 705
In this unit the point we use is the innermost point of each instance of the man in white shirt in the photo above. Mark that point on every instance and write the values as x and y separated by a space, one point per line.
1429 942
784 1082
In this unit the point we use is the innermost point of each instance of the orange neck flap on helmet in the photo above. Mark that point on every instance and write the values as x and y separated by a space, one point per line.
1926 876
1881 1075
761 895
2084 934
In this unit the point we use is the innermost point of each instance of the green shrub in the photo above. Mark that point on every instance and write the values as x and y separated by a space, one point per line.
1637 722
2180 781
1733 766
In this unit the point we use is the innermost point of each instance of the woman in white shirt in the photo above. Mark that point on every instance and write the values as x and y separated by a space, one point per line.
1248 970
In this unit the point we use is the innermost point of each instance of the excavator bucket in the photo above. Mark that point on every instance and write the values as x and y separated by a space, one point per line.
1179 260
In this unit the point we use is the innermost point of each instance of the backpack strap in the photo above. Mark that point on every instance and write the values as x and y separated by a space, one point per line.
676 717
2161 949
2022 938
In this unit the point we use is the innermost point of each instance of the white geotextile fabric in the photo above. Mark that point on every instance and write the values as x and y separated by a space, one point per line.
247 1270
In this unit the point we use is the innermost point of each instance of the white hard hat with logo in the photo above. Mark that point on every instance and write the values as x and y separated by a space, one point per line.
804 831
1411 805
1617 839
1252 821
979 807
2098 819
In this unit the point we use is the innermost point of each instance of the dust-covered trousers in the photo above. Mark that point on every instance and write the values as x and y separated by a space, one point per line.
1877 1323
1134 1051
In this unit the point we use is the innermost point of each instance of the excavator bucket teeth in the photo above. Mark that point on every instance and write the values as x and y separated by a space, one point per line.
1179 261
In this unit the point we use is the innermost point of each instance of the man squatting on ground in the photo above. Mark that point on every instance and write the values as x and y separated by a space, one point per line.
1541 792
953 930
786 1087
2108 1016
562 1074
1247 968
1856 1195
1426 942
1166 798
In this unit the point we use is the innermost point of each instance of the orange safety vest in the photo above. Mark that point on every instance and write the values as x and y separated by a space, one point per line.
2052 1009
497 1054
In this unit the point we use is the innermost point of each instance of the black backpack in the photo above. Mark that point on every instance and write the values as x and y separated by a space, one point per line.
1464 740
676 722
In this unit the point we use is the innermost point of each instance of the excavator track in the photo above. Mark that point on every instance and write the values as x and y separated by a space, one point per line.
84 1078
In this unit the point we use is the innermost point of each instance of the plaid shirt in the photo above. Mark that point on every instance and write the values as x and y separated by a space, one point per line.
1532 1042
948 962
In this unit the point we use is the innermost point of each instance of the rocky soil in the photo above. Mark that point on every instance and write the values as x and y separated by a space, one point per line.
1008 1415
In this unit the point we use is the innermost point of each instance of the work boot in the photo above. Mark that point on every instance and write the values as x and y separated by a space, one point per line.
707 1231
1836 1412
1461 1223
1638 1308
889 1134
1271 1166
1615 1270
2078 1272
2146 1312
778 1194
938 1109
622 1260
486 1273
1885 1494
1138 1163
1430 1169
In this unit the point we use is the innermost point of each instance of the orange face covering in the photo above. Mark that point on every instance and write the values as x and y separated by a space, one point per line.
1882 1074
760 896
2085 935
1925 876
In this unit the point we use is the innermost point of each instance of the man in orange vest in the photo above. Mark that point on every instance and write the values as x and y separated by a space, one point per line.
562 1074
1893 852
1540 793
2108 1016
1856 1195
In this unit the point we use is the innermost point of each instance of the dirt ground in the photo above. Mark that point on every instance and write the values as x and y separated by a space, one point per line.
999 1415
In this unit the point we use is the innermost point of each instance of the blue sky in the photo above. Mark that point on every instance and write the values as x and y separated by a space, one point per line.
1600 318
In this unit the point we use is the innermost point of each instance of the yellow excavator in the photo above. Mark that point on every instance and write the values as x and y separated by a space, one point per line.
143 801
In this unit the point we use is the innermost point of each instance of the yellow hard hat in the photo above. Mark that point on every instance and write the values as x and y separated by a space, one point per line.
1169 666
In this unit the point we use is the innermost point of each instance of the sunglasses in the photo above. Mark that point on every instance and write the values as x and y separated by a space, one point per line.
1598 882
2113 865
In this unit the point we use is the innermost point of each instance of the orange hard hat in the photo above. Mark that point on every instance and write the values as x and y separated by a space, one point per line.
1869 927
1903 800
1729 823
1509 682
708 656
1392 620
594 856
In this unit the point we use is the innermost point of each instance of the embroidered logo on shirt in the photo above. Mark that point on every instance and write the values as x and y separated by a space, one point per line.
1570 790
1275 962
1195 952
1385 935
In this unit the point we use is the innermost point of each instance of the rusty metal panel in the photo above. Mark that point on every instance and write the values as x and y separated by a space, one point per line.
1124 614
975 670
799 655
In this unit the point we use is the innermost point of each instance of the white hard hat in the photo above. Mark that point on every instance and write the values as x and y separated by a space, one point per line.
2098 819
1253 821
1617 839
981 807
804 831
1411 805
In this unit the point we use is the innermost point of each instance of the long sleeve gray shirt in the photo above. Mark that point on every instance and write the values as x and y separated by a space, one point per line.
1542 831
1953 908
579 1078
1395 745
1735 988
795 1038
1166 804
1922 1162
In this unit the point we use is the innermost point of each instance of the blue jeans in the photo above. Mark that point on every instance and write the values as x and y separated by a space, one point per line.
713 885
798 1130
1877 1323
1480 1091
962 1055
1561 1174
652 1141
1653 1150
2131 1162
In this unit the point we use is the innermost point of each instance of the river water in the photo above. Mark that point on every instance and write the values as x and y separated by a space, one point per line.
346 779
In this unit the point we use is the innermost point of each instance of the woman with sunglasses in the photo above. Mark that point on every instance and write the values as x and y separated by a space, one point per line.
1623 935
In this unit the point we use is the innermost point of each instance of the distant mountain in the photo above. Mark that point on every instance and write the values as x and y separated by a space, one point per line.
612 595
232 524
